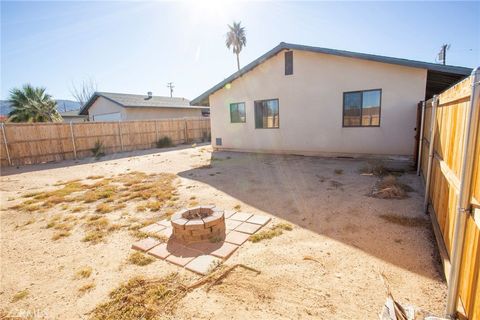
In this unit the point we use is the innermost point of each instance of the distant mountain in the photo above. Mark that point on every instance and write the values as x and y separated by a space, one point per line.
62 106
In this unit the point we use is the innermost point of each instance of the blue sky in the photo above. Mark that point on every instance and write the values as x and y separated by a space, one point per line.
135 47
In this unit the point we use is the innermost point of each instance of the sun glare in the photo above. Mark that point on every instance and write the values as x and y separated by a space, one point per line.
211 9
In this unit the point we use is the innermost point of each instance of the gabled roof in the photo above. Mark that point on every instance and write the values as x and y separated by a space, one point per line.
455 71
139 101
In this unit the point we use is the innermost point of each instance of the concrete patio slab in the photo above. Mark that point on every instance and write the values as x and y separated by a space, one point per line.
152 228
236 237
232 224
247 227
225 250
159 251
145 244
258 219
241 216
203 264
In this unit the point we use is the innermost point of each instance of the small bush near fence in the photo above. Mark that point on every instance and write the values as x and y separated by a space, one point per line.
97 150
164 142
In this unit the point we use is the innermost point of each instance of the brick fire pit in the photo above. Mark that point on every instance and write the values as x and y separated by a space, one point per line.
200 224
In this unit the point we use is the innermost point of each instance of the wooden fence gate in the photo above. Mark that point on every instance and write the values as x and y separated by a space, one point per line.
31 143
449 125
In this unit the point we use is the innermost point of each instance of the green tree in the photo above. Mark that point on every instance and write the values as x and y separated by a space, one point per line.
32 104
236 39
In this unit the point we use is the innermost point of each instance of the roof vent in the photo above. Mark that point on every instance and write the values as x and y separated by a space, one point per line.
149 95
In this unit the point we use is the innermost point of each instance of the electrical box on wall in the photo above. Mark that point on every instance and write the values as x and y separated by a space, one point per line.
218 141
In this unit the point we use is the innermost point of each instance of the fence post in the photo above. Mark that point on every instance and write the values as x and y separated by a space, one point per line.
73 141
420 139
186 130
430 152
156 131
120 134
6 144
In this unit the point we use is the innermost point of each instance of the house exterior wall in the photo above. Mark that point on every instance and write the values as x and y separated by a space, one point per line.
311 106
103 106
160 113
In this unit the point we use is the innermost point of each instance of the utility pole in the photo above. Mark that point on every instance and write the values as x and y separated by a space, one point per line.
170 86
442 55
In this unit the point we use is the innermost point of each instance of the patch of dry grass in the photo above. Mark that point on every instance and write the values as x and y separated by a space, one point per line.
140 298
94 177
237 207
140 259
83 272
78 209
406 221
60 234
86 288
274 231
97 228
20 295
390 188
104 208
338 171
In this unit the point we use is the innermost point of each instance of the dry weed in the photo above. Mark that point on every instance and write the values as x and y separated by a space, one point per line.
140 298
140 259
274 231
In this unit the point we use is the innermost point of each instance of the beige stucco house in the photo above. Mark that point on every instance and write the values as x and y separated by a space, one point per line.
308 100
106 106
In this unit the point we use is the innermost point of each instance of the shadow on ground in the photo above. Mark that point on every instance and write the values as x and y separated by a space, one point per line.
6 171
312 193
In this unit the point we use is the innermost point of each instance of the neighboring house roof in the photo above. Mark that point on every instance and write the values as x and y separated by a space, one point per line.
139 101
441 75
71 113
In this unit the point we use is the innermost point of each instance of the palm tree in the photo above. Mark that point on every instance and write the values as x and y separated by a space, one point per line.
32 104
236 38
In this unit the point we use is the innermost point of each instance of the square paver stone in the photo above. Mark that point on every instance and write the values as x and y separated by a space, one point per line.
159 251
145 244
228 213
237 238
179 254
225 250
232 224
203 264
152 228
165 223
241 216
257 219
167 232
249 228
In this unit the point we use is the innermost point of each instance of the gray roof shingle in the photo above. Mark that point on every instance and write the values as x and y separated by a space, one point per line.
139 101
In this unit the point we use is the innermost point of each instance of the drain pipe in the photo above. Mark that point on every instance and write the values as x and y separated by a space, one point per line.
420 140
430 151
464 207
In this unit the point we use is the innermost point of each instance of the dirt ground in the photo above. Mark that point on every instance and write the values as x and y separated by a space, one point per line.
348 235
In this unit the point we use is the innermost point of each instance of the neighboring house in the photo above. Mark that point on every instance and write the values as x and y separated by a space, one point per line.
310 100
104 106
73 116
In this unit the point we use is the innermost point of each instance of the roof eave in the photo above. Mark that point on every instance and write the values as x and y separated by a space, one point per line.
91 101
283 46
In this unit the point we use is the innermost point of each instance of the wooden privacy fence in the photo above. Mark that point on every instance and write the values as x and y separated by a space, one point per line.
32 143
449 126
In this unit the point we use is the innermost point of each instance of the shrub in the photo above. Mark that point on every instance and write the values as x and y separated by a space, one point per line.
98 150
164 142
